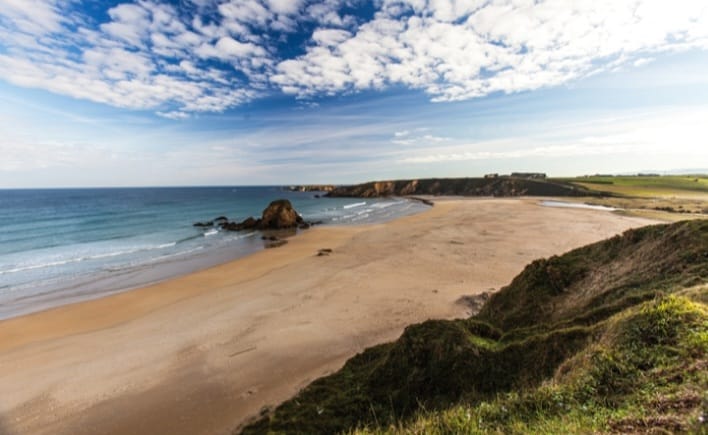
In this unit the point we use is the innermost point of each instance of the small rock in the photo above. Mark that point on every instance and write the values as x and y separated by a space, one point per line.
249 223
275 244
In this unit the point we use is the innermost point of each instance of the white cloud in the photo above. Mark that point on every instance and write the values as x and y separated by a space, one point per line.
176 115
228 48
130 23
150 55
32 16
456 50
144 57
330 37
408 138
643 61
288 7
665 133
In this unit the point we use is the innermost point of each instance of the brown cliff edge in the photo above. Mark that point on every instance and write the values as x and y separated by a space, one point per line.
497 186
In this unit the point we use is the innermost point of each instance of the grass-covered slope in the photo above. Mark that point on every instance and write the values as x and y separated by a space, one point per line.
610 337
654 186
668 198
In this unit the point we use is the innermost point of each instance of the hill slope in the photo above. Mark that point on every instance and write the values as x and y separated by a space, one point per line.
609 337
500 186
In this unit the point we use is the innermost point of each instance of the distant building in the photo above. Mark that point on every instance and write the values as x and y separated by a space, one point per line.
536 175
648 175
491 175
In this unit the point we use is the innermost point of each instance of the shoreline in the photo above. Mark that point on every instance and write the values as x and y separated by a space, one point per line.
131 295
108 283
216 346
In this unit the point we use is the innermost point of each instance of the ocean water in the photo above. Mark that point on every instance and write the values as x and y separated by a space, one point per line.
564 204
63 245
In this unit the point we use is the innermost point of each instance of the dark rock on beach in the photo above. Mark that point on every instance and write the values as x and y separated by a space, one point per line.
221 220
280 214
275 243
250 223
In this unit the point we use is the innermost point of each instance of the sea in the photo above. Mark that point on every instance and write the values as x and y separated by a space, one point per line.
59 246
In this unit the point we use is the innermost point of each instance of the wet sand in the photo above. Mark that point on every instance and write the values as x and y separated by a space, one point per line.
202 353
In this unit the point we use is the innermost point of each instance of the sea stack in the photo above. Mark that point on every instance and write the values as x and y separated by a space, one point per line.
280 214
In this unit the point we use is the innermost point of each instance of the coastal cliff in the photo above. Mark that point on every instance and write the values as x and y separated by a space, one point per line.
312 188
610 337
496 186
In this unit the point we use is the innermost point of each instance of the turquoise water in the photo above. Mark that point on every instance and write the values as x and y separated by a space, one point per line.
62 245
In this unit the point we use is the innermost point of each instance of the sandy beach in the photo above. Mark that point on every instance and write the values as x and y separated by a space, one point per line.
203 353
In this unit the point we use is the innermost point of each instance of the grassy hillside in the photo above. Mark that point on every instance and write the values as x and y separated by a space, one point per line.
668 197
611 337
654 186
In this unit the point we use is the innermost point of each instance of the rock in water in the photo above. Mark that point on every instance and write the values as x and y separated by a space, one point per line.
249 224
280 214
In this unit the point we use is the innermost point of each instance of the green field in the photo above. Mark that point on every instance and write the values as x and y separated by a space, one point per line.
642 186
669 198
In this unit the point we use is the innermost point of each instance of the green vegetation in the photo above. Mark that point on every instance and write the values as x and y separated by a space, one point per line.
611 337
670 197
645 372
666 185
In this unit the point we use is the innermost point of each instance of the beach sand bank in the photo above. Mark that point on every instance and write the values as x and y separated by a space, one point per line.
202 353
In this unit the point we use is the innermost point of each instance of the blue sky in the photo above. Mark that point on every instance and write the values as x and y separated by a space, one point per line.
212 92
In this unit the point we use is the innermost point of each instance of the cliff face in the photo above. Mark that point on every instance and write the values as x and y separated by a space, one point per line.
501 186
611 337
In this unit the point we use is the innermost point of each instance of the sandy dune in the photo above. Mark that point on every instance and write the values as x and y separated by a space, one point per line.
202 353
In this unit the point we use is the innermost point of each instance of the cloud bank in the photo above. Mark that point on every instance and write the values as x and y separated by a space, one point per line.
211 55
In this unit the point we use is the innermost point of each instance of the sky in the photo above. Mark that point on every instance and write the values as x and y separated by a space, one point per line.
263 92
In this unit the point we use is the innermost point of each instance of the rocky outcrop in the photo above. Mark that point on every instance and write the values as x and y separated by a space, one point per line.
220 221
279 215
499 186
248 224
203 224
